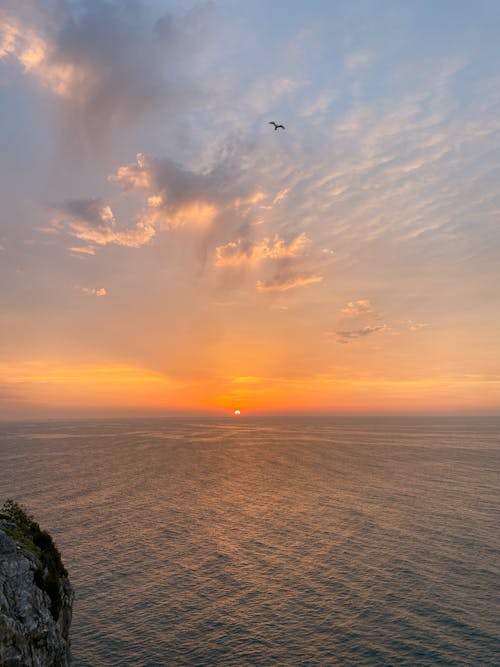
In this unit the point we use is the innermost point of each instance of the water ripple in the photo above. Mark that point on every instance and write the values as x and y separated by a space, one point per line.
270 542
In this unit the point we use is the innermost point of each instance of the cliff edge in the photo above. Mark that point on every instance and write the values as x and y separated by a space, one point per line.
35 594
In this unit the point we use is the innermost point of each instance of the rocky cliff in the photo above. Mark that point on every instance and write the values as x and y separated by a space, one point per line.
35 594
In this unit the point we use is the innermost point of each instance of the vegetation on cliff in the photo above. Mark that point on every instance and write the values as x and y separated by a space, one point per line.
23 528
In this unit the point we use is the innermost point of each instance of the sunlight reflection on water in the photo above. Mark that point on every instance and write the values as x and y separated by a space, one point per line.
270 541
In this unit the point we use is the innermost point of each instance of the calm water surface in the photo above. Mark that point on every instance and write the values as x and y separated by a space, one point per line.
270 541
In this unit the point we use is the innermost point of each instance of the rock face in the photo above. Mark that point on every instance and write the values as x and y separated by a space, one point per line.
35 598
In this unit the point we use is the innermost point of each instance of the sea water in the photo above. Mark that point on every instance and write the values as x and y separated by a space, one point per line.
274 541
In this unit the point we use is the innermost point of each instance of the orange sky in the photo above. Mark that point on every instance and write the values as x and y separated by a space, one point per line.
164 250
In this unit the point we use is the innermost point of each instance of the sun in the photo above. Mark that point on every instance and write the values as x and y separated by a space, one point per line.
237 412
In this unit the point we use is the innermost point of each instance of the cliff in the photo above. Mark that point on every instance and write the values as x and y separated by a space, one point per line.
35 594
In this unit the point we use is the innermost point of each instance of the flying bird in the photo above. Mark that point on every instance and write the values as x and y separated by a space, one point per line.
276 126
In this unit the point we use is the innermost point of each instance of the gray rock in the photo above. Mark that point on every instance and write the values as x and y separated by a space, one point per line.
7 544
29 634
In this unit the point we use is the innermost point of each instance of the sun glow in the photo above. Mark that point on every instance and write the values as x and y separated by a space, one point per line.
237 412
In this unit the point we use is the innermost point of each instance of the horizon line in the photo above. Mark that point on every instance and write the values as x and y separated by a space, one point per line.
252 415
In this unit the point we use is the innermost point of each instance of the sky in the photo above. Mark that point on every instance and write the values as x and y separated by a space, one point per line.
164 250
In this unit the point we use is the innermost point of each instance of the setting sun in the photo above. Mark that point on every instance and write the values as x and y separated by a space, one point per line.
237 412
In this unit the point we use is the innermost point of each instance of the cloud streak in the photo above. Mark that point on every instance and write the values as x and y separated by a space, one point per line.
416 326
93 291
283 283
355 334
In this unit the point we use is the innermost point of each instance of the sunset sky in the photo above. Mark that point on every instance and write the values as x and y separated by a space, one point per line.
164 250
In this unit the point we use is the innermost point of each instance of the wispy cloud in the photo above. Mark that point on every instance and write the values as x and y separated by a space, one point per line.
357 308
281 195
93 221
416 326
93 291
242 251
283 283
83 250
355 334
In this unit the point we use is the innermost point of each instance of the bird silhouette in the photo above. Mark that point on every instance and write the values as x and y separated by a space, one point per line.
276 126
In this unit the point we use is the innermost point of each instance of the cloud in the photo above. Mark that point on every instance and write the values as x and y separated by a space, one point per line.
357 308
84 250
93 221
86 219
172 185
215 200
177 196
93 291
286 282
281 195
135 176
157 215
222 203
349 336
95 213
173 197
20 42
242 251
416 326
107 61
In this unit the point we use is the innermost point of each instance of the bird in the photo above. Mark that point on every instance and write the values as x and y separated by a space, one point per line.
276 126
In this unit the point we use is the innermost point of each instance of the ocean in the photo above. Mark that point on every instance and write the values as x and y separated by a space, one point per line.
270 541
